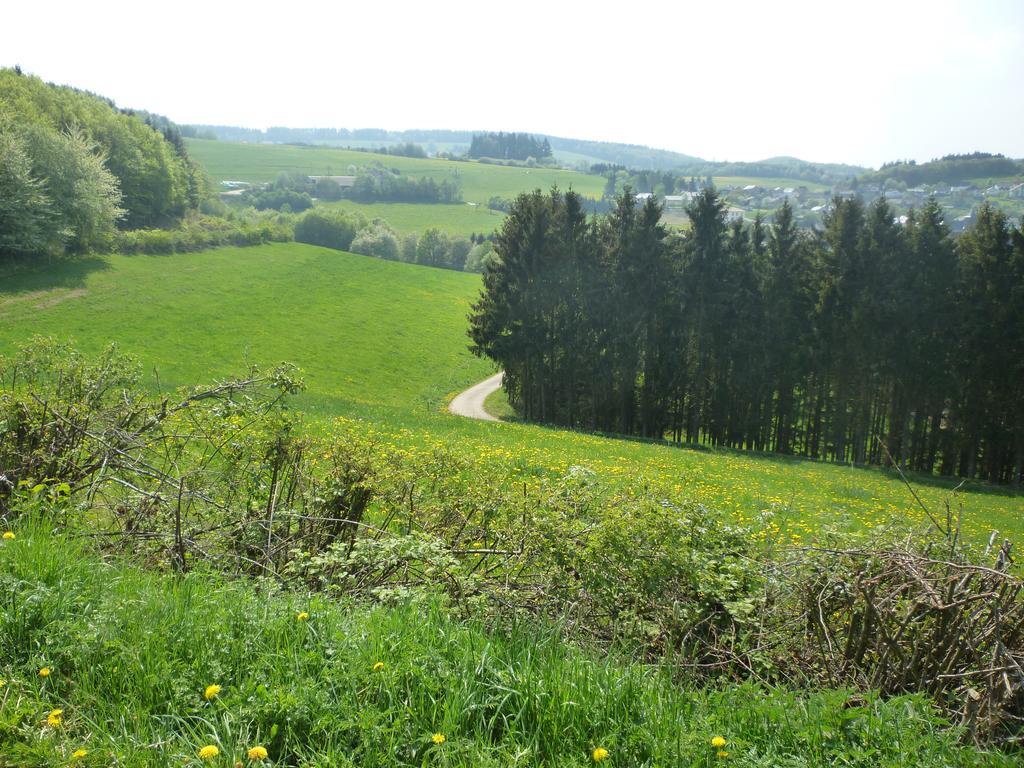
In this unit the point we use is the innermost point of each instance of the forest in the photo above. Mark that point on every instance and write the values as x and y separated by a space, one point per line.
949 169
74 169
508 146
867 343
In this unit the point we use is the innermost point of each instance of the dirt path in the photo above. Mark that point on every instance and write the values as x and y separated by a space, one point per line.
471 402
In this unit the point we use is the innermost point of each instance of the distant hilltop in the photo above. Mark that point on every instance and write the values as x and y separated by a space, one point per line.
581 153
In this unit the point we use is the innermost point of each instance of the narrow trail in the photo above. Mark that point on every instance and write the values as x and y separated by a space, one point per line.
471 402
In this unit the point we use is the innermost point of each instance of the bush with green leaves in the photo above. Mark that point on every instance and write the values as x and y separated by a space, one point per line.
198 232
329 228
288 200
481 257
377 239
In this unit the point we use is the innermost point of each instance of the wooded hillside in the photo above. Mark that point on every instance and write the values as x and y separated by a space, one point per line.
74 167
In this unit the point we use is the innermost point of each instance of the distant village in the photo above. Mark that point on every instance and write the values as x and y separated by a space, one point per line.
961 202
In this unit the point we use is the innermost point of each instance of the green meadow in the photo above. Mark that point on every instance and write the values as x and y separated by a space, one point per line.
356 325
386 342
480 181
460 219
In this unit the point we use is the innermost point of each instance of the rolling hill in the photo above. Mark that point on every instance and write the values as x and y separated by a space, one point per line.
480 181
387 341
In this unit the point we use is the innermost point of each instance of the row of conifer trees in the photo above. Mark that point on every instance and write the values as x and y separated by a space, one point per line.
867 339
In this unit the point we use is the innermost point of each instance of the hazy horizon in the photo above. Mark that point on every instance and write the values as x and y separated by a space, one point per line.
865 86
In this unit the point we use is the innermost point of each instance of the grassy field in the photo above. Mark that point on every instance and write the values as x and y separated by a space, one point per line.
410 218
144 670
386 341
356 325
263 162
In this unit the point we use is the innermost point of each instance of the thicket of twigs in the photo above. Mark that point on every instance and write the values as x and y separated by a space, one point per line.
224 475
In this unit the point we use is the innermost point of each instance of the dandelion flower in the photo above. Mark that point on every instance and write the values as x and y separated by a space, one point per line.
208 752
718 742
257 753
722 754
8 535
437 738
302 616
378 666
78 754
599 754
54 718
211 692
44 672
2 683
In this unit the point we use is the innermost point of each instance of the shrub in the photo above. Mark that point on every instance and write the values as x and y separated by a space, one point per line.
198 232
458 250
497 203
349 511
433 248
279 198
408 248
378 239
331 229
481 257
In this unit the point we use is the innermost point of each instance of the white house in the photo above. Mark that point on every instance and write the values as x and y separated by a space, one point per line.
341 181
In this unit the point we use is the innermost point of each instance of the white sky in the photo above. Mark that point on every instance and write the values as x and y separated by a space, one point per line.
860 82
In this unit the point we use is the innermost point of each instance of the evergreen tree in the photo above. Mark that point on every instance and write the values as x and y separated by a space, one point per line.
863 342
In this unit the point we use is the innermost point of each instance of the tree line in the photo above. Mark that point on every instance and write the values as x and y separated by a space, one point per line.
372 183
508 146
656 182
375 183
949 169
862 341
351 231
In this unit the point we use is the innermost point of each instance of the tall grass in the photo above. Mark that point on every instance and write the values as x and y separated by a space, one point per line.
131 654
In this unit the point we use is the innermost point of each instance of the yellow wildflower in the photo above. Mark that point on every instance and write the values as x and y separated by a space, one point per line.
718 742
302 616
600 754
44 672
8 535
378 666
437 738
54 718
211 692
78 754
208 752
722 753
257 753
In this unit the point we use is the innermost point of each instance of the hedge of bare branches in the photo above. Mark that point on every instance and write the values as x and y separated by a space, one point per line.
223 474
